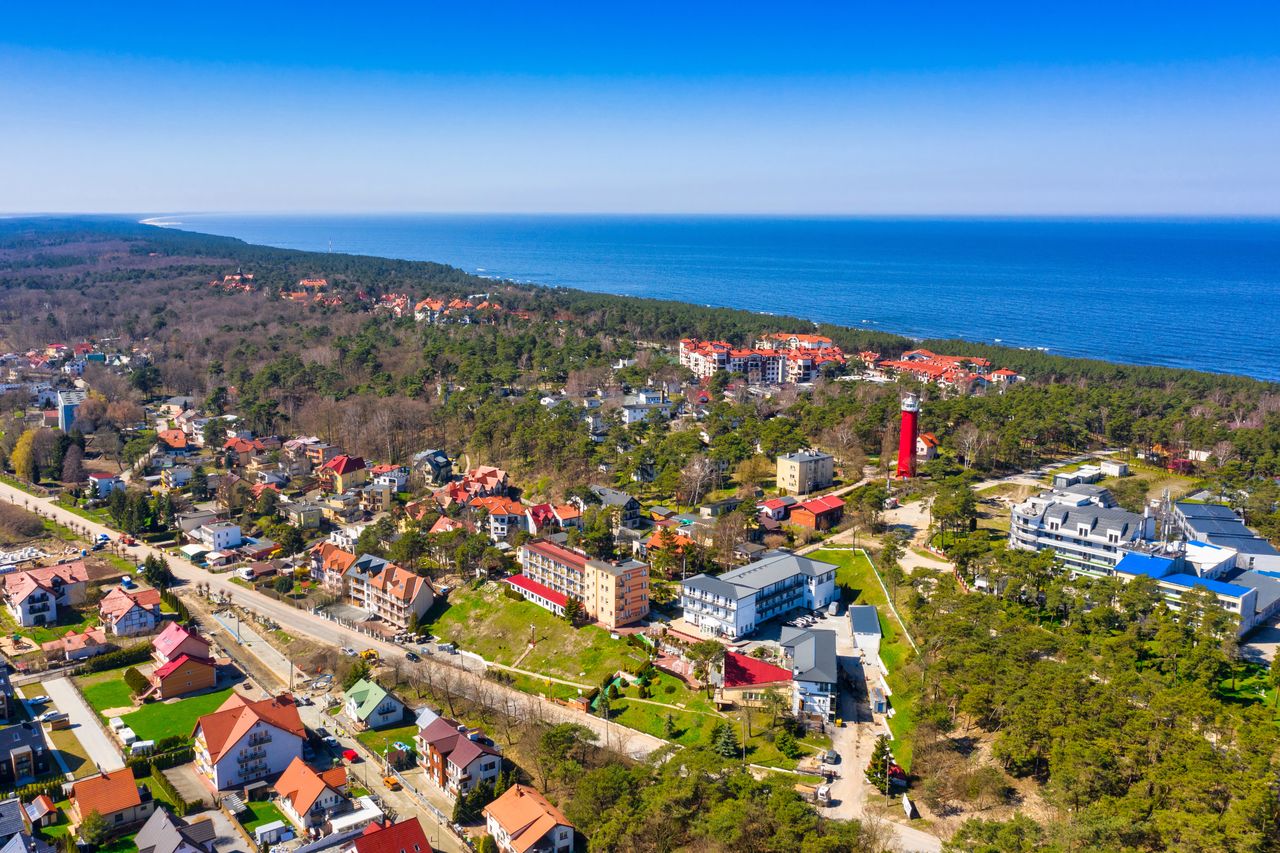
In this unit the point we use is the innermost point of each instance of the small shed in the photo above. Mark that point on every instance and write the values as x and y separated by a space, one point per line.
865 621
270 833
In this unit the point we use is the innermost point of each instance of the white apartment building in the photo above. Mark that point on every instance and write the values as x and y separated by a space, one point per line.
734 604
1082 525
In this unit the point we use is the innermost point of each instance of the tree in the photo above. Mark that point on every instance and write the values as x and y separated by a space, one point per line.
138 683
155 570
488 845
724 741
877 772
199 484
283 584
93 829
73 471
668 727
786 744
572 610
359 669
705 656
23 460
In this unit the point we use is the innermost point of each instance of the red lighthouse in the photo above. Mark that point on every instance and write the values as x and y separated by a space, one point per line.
907 438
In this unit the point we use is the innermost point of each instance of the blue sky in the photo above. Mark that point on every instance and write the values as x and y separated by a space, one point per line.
860 108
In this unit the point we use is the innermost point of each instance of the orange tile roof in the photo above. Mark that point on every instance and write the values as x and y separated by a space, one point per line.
526 816
106 794
302 786
495 505
175 438
333 558
119 601
224 728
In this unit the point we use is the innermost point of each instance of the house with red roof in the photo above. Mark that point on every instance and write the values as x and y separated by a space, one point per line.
503 516
175 641
522 820
818 513
343 472
445 524
116 796
455 757
73 646
182 675
173 441
245 741
34 596
403 837
128 613
746 680
926 446
329 563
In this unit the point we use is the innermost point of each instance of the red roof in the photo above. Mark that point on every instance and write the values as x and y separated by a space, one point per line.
745 671
826 503
169 668
522 582
344 464
173 636
556 554
175 438
403 837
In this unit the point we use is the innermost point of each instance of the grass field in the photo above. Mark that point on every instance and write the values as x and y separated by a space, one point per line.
260 812
377 741
161 720
107 694
73 754
488 623
69 620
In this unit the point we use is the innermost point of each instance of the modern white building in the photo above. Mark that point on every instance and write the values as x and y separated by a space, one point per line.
219 537
865 621
814 671
1081 524
246 741
1219 525
734 604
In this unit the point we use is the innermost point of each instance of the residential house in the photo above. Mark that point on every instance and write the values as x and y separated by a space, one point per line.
503 516
805 471
613 594
393 594
310 798
627 507
165 833
102 485
343 473
434 465
821 513
183 675
219 536
127 613
72 646
567 515
396 476
645 404
68 404
329 564
523 821
371 705
926 446
116 796
864 619
175 641
734 604
484 481
42 811
814 671
303 514
173 441
457 758
245 741
24 755
34 596
745 681
317 453
445 524
403 837
376 497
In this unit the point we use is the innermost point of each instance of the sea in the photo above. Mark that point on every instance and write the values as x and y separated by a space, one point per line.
1202 294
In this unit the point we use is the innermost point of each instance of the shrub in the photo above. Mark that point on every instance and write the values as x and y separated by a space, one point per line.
787 745
124 657
669 689
137 682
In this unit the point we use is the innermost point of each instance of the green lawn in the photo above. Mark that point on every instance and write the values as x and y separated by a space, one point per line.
163 719
72 751
261 812
488 623
68 620
109 694
377 741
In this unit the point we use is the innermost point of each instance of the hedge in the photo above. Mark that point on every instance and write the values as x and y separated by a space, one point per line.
184 615
146 765
137 682
180 806
123 657
50 786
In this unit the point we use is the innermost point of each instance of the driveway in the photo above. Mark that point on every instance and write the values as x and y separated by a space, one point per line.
97 745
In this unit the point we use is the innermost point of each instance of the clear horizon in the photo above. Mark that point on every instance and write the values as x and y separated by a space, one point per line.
1150 111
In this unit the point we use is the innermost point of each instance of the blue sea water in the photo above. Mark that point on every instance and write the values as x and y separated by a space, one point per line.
1200 294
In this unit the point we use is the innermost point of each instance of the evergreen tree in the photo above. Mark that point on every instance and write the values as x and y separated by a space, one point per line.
878 768
724 740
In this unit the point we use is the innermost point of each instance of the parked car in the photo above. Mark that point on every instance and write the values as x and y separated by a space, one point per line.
39 700
391 782
349 652
411 657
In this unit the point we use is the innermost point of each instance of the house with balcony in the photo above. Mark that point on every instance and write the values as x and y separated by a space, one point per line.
372 706
388 592
811 654
34 596
24 755
219 536
310 798
128 613
456 758
734 604
1082 525
245 741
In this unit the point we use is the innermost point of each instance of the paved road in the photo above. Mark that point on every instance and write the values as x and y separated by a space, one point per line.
636 744
97 745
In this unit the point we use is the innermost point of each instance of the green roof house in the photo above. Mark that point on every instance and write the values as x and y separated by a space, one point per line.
371 705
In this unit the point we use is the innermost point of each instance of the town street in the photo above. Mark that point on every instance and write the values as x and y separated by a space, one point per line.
636 744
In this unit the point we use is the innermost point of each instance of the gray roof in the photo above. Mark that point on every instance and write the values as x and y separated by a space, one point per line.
1267 585
20 735
774 567
164 833
23 843
611 497
1096 518
813 654
715 586
11 817
1220 525
802 455
865 619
